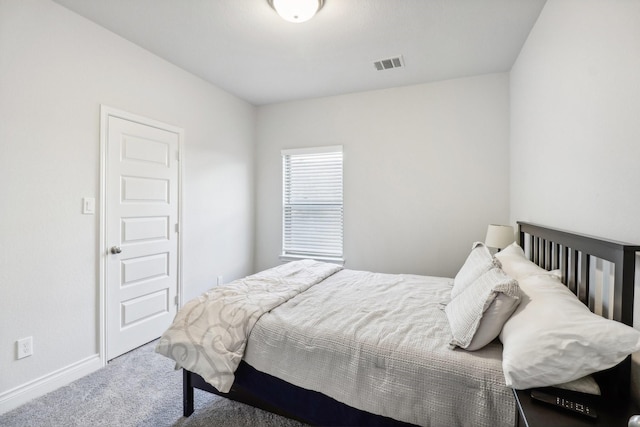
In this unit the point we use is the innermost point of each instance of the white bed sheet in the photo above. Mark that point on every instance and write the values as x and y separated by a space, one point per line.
380 343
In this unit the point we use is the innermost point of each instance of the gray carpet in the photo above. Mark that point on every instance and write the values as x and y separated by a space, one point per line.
139 388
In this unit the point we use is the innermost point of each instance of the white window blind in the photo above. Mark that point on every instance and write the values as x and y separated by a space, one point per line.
312 203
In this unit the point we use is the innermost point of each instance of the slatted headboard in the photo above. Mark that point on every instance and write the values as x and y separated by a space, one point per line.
600 272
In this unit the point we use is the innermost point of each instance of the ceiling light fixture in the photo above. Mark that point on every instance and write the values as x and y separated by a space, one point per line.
296 10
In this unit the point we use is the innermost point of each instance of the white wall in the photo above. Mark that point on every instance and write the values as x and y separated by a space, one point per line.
575 124
56 68
425 170
575 127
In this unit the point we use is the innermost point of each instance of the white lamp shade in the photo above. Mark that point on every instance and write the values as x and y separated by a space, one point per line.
296 10
499 236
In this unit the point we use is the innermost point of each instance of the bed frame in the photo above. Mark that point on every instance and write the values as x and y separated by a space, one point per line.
600 272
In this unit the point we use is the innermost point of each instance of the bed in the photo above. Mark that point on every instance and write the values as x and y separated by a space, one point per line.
402 367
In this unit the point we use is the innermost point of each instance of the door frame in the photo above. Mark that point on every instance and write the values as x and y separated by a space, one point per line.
103 251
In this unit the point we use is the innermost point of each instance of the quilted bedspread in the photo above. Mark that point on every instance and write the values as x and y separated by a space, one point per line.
380 343
209 334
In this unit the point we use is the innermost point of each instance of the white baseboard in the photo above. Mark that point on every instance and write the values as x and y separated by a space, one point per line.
17 396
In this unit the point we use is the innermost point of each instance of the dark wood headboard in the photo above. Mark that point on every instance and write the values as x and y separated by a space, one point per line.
600 272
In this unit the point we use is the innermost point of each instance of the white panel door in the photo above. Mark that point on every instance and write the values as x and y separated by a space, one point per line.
141 212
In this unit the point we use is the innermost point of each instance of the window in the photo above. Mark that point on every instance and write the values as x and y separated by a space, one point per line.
312 203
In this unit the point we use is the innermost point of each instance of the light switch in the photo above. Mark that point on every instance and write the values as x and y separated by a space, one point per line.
88 205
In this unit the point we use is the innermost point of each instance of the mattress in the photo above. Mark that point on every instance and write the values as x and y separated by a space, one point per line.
380 343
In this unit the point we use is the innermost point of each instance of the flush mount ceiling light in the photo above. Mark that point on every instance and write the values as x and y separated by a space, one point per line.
296 10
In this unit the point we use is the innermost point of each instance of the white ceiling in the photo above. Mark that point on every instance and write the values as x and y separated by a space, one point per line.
244 47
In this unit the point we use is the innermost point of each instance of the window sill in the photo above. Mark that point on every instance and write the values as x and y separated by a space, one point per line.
289 257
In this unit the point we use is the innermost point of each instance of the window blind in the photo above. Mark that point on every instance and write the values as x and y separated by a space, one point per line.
312 203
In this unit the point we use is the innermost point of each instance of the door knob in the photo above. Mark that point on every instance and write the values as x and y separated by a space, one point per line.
115 250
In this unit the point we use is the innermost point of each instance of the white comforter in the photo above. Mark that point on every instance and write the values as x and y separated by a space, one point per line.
209 334
379 343
376 342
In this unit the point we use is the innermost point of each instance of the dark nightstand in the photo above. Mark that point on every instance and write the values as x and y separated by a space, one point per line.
532 413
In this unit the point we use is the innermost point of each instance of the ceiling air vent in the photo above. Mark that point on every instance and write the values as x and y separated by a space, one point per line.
387 64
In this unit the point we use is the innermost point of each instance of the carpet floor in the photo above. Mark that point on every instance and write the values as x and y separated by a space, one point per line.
139 388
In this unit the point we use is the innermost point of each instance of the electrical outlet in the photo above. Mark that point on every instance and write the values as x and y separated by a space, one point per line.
25 347
220 280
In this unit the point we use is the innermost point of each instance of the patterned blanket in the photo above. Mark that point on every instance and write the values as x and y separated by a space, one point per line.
209 334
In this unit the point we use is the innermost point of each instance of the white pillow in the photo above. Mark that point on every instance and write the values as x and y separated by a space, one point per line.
476 315
479 261
492 320
553 338
586 385
515 263
513 249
